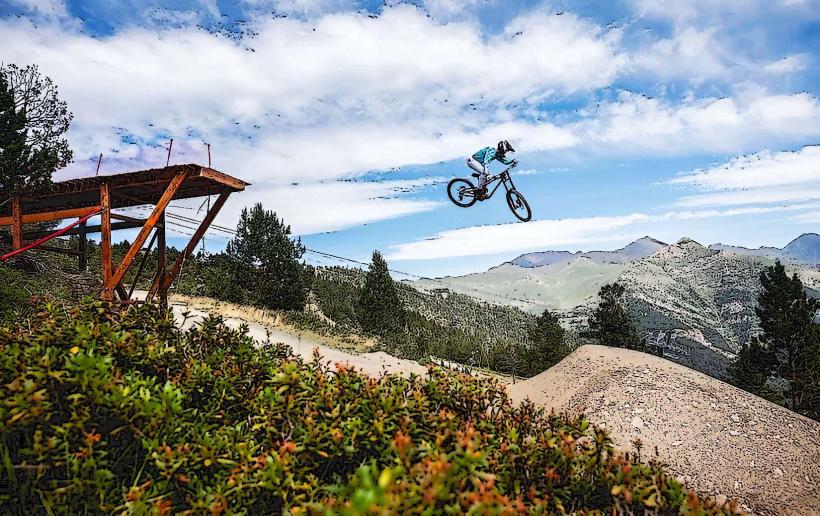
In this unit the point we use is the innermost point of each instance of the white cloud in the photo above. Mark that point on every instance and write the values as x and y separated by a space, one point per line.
635 124
502 238
788 65
318 207
545 234
760 170
318 99
691 54
745 197
764 177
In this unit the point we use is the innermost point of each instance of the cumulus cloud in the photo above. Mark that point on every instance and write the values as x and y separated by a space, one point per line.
335 95
692 54
764 177
787 65
764 169
545 234
634 123
320 207
313 99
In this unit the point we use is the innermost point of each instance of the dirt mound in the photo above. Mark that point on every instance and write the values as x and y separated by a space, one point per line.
718 439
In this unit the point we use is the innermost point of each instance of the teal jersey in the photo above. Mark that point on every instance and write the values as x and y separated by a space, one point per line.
487 154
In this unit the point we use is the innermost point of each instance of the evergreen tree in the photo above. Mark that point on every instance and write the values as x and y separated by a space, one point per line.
752 367
32 123
222 278
267 260
510 358
786 319
546 343
379 309
610 324
811 392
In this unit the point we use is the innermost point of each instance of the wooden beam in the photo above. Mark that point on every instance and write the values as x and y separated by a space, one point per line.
162 259
159 209
120 288
225 179
60 250
126 218
82 262
105 242
162 283
16 223
90 230
145 255
47 216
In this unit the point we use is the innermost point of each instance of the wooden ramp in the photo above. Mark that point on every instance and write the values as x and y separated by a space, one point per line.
80 198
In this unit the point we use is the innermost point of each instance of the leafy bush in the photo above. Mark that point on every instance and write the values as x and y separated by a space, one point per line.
121 412
12 293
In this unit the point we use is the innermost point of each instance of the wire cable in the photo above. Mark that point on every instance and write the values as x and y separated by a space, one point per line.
451 285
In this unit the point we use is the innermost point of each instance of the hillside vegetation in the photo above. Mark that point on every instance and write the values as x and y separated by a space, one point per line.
122 412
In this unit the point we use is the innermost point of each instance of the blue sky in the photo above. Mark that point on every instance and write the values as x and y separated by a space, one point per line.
630 117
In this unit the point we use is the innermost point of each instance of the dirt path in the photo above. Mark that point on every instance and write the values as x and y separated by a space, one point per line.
302 344
717 439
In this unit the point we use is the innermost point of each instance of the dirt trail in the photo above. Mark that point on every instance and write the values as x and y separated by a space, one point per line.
717 439
302 343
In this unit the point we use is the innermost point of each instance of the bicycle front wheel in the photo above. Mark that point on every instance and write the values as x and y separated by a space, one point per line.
518 205
461 192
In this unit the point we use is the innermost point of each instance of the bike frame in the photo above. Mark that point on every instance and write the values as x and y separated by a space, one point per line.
504 178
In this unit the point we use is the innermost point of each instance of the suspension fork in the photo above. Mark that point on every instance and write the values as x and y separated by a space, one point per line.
508 179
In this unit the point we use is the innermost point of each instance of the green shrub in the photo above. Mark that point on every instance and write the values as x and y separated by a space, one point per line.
121 412
12 293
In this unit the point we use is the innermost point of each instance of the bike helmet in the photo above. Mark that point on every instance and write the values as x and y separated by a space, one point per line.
505 147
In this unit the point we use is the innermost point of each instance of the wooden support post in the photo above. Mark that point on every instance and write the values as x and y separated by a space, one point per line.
162 259
105 242
159 209
142 263
17 223
163 283
120 288
82 261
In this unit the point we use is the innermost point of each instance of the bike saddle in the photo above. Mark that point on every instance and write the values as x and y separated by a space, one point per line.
476 174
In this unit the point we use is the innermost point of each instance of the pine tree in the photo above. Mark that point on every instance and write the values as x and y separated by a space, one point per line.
379 310
610 324
786 319
752 368
811 392
32 123
546 343
267 260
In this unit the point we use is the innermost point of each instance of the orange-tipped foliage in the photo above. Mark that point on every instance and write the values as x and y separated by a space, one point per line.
119 412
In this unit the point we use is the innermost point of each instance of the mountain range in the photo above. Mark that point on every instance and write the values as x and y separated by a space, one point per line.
696 303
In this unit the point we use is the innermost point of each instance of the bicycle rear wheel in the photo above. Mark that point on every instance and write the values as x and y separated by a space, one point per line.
461 192
518 205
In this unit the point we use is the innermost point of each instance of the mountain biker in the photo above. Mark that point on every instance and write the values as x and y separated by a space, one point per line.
480 161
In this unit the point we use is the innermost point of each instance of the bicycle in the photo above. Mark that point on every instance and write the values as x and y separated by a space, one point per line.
464 194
